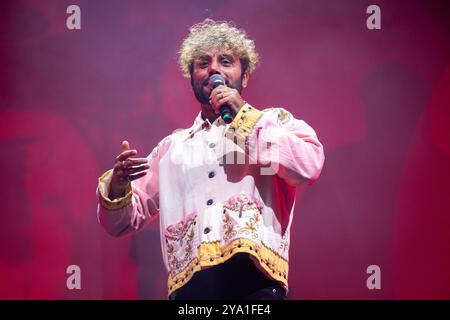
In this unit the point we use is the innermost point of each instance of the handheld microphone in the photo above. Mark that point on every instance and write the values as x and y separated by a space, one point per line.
225 111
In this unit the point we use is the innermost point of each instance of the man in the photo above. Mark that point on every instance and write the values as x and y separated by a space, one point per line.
225 222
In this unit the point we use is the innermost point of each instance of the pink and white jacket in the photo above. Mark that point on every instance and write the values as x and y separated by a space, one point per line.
220 189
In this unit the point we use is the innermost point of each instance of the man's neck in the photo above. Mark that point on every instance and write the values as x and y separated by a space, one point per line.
208 113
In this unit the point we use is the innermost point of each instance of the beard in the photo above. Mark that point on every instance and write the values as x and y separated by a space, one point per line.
202 90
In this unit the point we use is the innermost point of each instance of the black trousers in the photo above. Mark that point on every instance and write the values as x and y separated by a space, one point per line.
236 279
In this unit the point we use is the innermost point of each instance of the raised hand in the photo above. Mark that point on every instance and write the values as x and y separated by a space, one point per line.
126 169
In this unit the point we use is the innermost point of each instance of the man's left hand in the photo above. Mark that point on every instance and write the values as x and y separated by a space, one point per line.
225 95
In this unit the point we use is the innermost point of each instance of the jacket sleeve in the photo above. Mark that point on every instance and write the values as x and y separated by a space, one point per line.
274 137
139 206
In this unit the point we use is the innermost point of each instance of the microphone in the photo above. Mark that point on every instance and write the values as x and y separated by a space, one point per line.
225 111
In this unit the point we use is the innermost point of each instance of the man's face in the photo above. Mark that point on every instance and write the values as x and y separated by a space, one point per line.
216 61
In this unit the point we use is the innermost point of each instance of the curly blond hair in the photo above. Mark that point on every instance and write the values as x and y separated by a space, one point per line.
211 34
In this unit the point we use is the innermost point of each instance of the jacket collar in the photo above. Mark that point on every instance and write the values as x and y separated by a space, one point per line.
201 123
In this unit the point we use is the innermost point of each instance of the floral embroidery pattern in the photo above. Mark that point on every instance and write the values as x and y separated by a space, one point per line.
266 258
242 203
229 228
234 209
188 249
179 243
284 116
251 227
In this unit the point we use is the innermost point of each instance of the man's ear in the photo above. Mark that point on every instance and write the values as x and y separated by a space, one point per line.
245 78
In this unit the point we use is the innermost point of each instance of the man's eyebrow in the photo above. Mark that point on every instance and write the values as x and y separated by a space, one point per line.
226 55
203 58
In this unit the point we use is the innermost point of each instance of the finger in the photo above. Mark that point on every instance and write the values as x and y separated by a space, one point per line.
131 163
126 154
214 100
218 91
222 87
125 145
136 176
223 101
135 161
132 170
224 95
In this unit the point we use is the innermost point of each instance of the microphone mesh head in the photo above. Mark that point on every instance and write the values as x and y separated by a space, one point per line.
216 80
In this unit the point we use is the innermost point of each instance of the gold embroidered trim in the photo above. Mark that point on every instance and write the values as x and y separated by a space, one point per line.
211 254
103 190
244 121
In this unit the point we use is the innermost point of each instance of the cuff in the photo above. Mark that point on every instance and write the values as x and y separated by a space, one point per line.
104 183
244 121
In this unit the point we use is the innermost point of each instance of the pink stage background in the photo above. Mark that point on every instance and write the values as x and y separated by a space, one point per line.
378 99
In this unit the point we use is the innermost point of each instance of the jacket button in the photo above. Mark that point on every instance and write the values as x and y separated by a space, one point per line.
207 230
211 174
212 145
209 202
